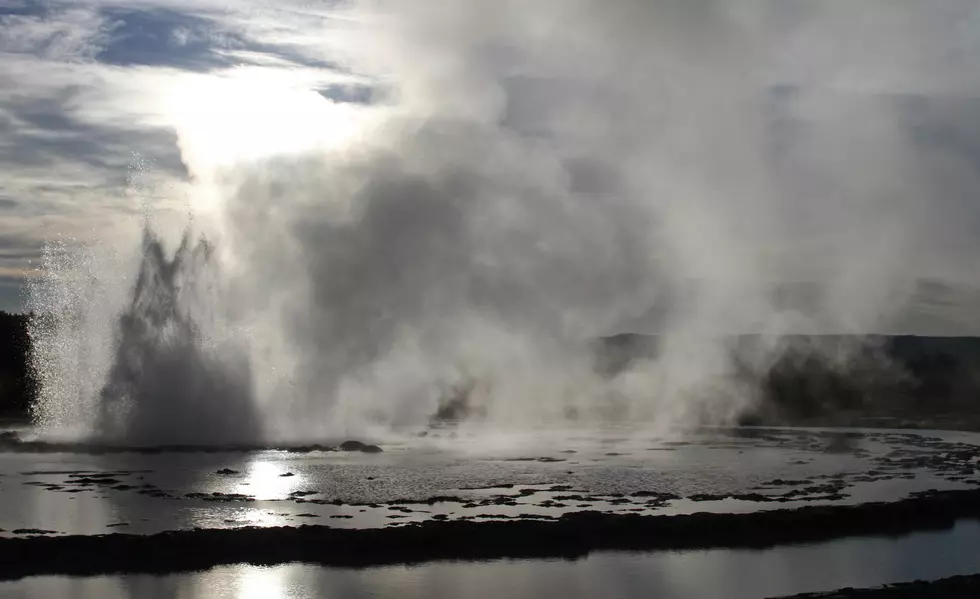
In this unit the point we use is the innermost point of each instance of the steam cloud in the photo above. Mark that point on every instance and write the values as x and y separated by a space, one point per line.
537 174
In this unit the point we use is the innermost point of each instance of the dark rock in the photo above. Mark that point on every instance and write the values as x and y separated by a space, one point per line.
427 501
157 493
93 480
656 495
359 446
779 482
219 497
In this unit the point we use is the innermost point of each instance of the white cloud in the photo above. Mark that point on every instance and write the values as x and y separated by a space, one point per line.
60 35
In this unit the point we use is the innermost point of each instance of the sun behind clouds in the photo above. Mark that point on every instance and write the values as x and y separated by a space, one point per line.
250 115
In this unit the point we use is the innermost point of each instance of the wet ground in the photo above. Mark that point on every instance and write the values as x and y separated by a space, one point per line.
722 512
450 476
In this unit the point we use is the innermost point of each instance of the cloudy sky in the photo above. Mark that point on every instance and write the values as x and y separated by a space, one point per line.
90 90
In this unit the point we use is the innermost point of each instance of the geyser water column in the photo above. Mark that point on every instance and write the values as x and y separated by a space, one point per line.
177 377
161 366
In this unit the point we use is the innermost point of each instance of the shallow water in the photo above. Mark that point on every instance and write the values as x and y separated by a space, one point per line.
547 475
703 574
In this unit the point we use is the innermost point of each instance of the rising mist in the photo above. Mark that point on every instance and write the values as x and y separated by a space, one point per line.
530 176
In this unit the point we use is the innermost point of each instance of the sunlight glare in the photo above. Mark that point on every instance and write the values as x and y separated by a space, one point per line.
222 121
263 583
265 481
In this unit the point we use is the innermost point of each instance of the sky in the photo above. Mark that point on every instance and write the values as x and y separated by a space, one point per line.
97 97
91 91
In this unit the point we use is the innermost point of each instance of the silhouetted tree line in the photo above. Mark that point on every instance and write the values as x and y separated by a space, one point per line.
18 387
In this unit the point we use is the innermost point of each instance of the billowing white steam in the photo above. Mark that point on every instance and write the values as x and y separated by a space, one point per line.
532 175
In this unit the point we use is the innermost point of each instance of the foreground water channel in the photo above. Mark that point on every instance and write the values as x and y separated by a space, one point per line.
721 573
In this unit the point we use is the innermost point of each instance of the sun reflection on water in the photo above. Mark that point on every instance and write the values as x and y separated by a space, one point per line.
268 480
263 583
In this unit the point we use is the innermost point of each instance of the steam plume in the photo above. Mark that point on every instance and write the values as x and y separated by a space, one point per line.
537 174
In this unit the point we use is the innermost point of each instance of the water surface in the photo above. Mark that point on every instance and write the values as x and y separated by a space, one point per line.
702 574
548 475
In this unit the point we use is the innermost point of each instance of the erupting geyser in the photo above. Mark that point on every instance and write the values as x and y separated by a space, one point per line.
528 177
175 373
171 380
